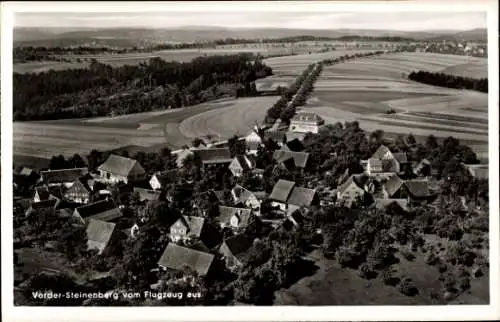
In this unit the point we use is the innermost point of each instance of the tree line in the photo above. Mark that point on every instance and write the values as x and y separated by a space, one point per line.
102 90
450 81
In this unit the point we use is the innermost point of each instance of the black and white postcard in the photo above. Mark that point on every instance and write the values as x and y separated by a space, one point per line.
250 161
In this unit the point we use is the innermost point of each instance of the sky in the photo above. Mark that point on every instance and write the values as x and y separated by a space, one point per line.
407 21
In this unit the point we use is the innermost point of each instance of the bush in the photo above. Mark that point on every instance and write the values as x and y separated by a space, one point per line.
464 283
366 272
442 267
390 111
388 277
449 282
407 287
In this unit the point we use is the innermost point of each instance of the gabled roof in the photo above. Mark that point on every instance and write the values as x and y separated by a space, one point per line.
239 245
300 158
43 192
301 196
253 145
423 163
244 162
307 117
294 145
121 166
146 194
176 257
25 171
166 177
214 155
99 234
375 163
226 213
281 190
381 152
95 208
352 179
478 171
108 215
83 183
52 202
389 165
63 175
418 188
277 136
194 224
240 194
393 184
290 136
384 203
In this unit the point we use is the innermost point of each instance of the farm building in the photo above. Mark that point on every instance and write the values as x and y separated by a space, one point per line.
64 177
43 193
391 188
187 227
161 180
146 194
350 191
291 136
241 164
177 257
294 145
289 197
50 204
213 156
305 122
291 158
104 210
99 234
234 217
79 191
384 162
234 250
401 204
246 198
418 190
117 168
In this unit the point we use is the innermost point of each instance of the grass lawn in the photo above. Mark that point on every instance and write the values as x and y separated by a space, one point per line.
366 95
432 120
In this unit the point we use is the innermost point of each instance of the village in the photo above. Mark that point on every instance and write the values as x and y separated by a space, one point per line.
211 205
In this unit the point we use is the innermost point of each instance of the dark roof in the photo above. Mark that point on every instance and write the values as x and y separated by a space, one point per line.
393 184
240 194
389 165
43 192
301 196
281 190
63 175
295 145
214 155
52 202
384 203
108 215
99 233
381 152
290 136
418 188
296 218
277 136
176 257
239 245
219 194
244 162
95 208
423 163
166 177
401 157
308 117
122 166
194 224
147 194
300 158
226 213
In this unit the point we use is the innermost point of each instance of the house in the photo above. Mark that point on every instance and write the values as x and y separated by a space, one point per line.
177 257
245 197
234 250
161 180
393 188
213 156
187 227
42 193
241 164
289 197
117 168
146 194
417 190
233 217
104 210
277 136
384 162
64 177
478 171
350 191
305 122
293 221
79 191
25 176
294 145
253 141
292 136
99 234
284 157
423 168
401 204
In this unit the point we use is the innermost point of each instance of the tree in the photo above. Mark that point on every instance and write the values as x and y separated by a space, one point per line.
411 139
407 287
72 240
57 162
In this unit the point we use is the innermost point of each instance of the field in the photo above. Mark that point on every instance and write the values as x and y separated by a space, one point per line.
365 89
172 128
361 90
333 285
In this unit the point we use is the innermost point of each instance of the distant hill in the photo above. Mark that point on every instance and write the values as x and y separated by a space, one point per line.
127 37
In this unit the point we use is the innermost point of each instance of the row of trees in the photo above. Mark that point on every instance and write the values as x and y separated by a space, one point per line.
450 81
103 90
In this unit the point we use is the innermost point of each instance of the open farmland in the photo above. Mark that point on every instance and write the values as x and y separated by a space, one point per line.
365 89
173 128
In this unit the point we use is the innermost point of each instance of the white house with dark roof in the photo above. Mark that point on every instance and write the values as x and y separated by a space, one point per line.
245 197
297 159
253 141
104 210
241 164
117 168
161 180
234 250
305 122
289 197
233 217
384 163
187 227
350 191
64 177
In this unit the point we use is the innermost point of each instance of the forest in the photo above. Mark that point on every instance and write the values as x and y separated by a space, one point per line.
102 90
450 81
